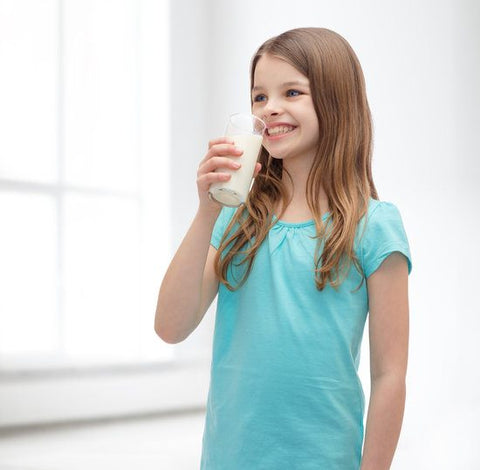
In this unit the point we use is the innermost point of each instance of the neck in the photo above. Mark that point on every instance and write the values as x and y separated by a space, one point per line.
298 170
296 187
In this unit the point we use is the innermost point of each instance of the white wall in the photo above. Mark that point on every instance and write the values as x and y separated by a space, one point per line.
190 110
421 62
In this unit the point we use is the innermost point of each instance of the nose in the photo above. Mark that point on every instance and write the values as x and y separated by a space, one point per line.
272 108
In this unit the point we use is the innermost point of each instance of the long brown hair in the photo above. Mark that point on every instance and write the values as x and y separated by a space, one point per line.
342 164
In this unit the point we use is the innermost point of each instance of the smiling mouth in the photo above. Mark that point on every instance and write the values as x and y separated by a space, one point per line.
279 130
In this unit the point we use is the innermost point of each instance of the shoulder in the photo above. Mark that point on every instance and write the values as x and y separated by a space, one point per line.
380 213
221 224
381 232
226 214
381 208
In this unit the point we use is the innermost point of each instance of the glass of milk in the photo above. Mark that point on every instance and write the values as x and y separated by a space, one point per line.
246 131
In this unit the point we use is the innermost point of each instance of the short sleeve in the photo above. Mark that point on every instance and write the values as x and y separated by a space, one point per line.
384 234
221 224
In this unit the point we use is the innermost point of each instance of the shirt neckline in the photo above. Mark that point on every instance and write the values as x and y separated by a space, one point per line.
305 223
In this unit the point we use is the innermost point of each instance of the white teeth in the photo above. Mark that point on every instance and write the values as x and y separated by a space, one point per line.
280 130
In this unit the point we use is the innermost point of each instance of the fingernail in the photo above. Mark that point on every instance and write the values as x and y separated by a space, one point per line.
238 149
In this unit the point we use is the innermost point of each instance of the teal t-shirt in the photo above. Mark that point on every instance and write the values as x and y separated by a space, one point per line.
284 389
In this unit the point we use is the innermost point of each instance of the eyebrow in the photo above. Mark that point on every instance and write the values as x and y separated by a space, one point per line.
305 84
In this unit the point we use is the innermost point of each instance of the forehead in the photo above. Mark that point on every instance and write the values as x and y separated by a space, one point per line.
271 70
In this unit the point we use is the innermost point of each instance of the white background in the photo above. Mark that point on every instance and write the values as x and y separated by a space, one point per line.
422 66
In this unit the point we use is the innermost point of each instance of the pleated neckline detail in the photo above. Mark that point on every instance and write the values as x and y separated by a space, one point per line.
306 223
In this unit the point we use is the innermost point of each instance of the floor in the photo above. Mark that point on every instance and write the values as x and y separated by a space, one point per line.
174 443
155 443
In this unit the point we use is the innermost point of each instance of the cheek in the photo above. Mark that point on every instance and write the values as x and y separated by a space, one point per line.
256 112
312 137
314 129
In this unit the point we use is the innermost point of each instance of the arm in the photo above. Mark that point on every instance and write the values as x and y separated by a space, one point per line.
388 331
189 285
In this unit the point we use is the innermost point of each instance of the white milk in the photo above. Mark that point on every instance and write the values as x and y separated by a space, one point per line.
234 192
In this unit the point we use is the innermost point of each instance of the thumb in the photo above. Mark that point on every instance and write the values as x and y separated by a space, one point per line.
258 167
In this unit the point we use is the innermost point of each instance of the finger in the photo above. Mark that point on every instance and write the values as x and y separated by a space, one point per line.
220 140
222 150
217 163
204 181
258 167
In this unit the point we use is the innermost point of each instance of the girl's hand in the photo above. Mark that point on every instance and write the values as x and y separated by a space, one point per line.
215 159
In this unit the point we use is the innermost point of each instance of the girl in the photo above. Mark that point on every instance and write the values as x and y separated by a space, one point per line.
297 269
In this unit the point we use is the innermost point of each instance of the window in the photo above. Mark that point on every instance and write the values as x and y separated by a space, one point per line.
83 181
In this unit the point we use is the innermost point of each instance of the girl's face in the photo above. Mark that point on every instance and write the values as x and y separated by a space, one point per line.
281 97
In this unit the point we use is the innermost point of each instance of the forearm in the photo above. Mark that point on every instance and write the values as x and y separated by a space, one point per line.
384 422
180 292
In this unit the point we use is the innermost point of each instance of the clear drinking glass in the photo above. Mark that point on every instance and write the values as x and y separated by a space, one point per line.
246 131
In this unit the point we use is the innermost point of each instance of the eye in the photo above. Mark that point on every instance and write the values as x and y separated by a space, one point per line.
292 93
259 98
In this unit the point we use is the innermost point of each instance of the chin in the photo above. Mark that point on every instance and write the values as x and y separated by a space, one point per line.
276 155
280 157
